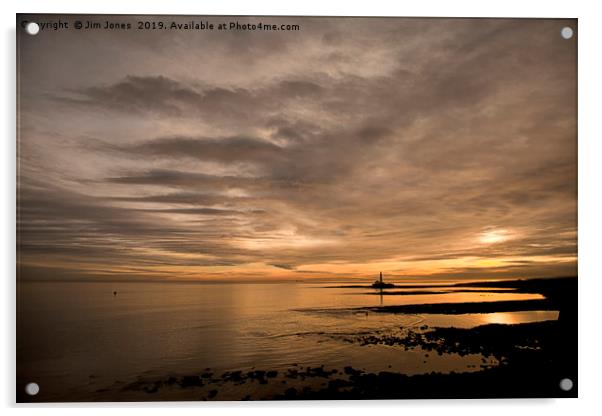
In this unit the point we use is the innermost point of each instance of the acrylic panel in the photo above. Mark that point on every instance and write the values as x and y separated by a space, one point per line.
292 208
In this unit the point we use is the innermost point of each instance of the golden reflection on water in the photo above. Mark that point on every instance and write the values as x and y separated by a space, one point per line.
510 318
470 320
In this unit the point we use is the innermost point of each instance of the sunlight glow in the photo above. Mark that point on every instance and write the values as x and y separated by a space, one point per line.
494 236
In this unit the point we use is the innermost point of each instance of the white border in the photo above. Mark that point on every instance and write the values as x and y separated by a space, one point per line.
590 200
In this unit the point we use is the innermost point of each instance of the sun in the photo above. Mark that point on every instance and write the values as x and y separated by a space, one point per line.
493 236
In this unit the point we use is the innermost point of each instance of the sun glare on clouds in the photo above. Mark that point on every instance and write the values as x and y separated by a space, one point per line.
494 236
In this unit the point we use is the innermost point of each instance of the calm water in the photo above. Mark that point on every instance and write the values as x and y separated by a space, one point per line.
75 339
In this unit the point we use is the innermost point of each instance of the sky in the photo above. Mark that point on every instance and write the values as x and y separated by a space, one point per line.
422 148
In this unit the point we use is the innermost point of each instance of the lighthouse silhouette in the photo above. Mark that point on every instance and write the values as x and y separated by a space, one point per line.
380 284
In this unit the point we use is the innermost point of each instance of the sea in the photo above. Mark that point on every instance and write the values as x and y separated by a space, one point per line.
84 341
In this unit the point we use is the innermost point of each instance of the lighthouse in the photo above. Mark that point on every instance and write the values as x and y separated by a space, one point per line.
380 284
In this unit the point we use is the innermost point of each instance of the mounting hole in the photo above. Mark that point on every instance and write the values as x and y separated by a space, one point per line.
32 389
566 384
566 32
32 28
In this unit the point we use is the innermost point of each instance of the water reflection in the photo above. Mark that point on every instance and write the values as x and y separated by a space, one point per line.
471 320
164 328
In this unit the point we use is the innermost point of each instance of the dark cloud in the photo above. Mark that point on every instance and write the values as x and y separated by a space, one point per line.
161 177
187 198
193 211
225 150
161 95
137 94
283 266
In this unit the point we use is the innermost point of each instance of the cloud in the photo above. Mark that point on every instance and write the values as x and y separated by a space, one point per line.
283 266
161 95
389 144
187 198
135 93
224 150
176 178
